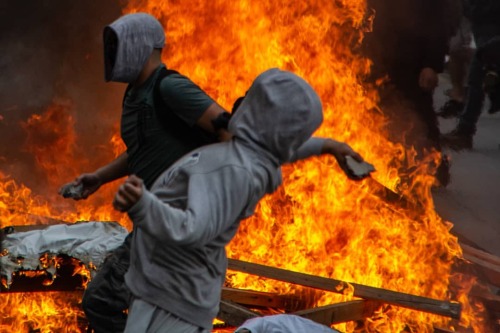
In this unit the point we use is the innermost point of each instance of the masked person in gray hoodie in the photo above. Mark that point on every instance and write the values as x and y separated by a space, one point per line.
165 115
178 259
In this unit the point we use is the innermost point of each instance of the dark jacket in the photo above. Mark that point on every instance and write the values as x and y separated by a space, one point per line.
406 37
482 11
484 16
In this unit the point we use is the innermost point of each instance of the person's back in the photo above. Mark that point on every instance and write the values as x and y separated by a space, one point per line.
154 135
159 124
178 259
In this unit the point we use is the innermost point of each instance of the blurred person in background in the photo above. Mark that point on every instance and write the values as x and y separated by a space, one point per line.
408 45
461 51
484 71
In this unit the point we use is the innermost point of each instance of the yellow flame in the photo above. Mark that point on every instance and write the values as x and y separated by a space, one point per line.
318 222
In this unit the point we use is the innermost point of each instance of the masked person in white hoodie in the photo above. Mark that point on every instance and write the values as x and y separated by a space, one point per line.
178 259
165 115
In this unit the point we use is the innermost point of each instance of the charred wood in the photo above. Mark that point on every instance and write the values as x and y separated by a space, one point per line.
486 263
340 312
64 278
443 308
258 299
234 314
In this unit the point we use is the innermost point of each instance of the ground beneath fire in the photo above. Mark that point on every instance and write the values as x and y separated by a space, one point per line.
472 200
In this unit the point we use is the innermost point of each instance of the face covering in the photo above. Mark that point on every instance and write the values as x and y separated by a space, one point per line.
128 44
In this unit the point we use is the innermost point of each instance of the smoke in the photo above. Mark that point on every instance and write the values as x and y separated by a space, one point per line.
51 51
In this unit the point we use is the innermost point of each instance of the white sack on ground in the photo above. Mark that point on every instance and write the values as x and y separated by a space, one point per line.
89 242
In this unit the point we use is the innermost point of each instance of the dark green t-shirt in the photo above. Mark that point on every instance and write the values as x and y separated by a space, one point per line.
153 143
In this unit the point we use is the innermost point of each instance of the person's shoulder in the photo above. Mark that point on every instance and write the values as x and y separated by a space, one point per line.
222 157
175 78
176 83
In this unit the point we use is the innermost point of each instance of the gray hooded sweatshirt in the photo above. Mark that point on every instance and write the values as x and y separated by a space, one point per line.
284 323
182 225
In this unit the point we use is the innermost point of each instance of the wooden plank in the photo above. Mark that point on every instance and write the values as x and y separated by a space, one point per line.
340 312
443 308
487 264
490 300
479 254
234 314
442 330
258 299
488 271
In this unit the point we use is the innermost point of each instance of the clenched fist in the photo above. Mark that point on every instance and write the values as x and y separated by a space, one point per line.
128 194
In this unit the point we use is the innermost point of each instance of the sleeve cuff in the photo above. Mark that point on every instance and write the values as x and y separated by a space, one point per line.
138 211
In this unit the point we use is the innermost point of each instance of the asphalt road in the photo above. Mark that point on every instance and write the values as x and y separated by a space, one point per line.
472 200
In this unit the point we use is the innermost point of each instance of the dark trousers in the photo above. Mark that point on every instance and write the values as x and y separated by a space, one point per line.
411 115
413 122
423 102
107 296
475 97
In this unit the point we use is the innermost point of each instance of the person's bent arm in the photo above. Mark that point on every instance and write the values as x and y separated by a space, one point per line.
204 218
191 104
91 182
215 120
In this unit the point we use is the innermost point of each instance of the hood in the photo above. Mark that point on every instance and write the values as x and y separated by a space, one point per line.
279 113
128 44
284 323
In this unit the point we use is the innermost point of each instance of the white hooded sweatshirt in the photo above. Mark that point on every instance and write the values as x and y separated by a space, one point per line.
181 227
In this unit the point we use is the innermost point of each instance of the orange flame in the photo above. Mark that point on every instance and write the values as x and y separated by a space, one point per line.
49 136
318 222
51 139
41 312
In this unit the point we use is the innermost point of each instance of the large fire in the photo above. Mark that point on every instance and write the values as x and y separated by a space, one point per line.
319 222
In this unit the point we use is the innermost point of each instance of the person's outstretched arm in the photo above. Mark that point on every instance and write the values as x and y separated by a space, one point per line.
91 182
316 146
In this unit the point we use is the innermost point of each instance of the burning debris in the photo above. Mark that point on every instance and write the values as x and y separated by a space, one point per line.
36 250
321 224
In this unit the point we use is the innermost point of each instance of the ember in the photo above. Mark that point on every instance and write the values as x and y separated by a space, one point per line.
320 223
